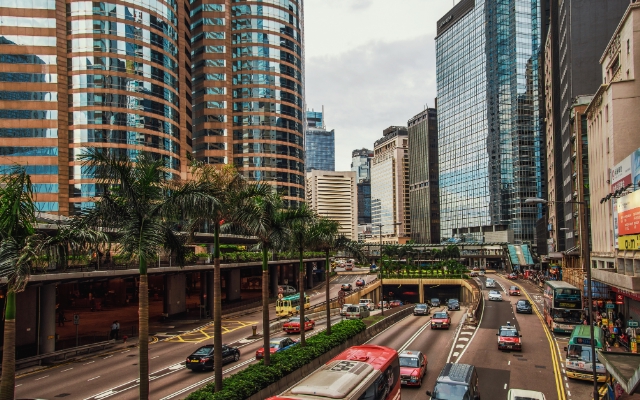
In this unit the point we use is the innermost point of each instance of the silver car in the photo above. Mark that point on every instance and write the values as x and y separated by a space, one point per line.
494 295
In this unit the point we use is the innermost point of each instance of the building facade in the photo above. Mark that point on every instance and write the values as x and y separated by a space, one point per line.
614 163
247 63
77 75
332 194
489 138
424 199
221 82
361 165
390 184
320 150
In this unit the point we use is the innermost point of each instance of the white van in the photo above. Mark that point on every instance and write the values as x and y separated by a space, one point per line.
490 283
357 312
367 303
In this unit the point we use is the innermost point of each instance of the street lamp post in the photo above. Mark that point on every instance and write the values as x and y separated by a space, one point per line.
380 268
587 263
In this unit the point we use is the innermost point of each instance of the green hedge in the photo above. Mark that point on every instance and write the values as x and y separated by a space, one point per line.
258 376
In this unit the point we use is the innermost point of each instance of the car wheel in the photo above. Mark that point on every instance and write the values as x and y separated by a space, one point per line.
236 357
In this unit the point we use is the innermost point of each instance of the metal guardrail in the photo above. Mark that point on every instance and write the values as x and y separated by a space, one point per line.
85 349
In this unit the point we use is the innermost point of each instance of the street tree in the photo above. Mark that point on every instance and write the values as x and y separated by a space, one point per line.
327 239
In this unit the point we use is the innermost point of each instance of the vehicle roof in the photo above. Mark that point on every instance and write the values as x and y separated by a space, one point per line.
377 356
420 304
583 331
513 286
455 373
508 327
277 339
410 353
520 394
560 285
493 291
294 297
524 301
335 380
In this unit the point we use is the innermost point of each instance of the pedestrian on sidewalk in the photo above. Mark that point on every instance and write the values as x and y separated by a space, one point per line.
117 330
114 327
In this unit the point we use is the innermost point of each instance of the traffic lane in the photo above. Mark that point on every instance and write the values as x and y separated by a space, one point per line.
498 370
173 378
436 345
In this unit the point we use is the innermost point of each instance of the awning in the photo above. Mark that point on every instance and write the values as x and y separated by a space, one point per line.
555 256
624 367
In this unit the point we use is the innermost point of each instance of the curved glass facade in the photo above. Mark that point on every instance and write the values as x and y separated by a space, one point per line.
252 117
124 83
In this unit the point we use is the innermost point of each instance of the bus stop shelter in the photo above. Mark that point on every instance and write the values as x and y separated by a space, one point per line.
624 367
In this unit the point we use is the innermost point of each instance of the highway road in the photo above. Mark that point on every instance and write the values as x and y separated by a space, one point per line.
113 375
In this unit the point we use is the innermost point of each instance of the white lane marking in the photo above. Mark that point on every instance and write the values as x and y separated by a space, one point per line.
126 351
19 385
568 393
505 386
474 332
154 357
412 338
90 362
93 378
387 328
459 346
46 376
509 363
104 358
456 354
466 333
463 339
68 369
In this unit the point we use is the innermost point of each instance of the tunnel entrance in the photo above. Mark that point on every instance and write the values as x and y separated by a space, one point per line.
409 294
442 292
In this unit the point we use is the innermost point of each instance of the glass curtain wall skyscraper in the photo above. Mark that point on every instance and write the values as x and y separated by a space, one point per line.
361 165
319 143
489 139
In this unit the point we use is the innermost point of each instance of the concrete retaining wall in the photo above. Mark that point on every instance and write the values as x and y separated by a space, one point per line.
296 376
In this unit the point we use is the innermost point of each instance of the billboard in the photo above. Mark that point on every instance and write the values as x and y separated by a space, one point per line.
629 214
625 173
629 242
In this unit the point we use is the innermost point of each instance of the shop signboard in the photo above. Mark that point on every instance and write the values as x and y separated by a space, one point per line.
629 214
625 173
629 242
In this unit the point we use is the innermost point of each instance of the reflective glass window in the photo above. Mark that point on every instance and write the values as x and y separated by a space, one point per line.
267 25
208 22
27 77
93 99
24 40
45 187
28 151
207 7
99 117
27 59
30 4
209 63
267 52
28 133
28 114
123 65
44 206
125 12
265 11
101 27
123 137
27 22
253 120
84 81
169 161
31 169
209 90
30 96
124 48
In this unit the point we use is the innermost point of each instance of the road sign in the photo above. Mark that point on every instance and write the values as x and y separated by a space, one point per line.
76 319
610 305
632 324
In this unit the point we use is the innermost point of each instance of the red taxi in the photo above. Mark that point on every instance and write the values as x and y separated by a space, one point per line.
514 291
509 338
512 276
441 320
275 345
413 367
293 325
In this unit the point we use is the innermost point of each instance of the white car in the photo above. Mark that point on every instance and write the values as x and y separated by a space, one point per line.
494 295
515 394
367 303
490 283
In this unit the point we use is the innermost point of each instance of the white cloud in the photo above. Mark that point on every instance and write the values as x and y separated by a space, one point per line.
371 63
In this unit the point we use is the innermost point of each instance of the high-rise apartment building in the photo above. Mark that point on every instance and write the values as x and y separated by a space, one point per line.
390 185
248 89
581 30
424 200
319 144
332 194
361 165
222 82
79 74
490 141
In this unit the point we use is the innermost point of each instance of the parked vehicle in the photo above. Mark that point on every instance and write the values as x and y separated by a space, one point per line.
395 303
386 304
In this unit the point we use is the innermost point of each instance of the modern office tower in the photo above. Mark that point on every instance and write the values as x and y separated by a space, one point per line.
79 74
581 30
248 89
332 194
424 198
319 144
390 185
361 165
489 139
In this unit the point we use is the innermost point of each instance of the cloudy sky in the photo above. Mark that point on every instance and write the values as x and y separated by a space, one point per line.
371 63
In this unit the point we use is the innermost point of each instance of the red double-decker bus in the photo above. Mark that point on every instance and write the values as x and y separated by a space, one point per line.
361 372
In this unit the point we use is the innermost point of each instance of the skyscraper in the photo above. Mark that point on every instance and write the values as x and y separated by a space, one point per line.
489 139
332 194
390 184
248 89
319 144
361 165
222 82
79 75
424 200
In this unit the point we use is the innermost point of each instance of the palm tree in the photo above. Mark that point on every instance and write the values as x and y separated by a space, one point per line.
326 232
229 192
141 205
265 218
301 238
20 249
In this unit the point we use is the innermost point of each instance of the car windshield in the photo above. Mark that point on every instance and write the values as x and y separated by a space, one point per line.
524 303
203 351
353 309
440 315
569 316
435 300
583 353
447 391
508 333
275 345
421 306
411 362
514 288
296 319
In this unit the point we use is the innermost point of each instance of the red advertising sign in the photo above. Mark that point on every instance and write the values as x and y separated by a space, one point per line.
629 214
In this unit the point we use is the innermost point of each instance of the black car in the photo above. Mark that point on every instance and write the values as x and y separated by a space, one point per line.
435 302
524 307
453 304
421 309
202 358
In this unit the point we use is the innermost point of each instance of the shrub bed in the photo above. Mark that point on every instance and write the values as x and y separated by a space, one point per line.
258 376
